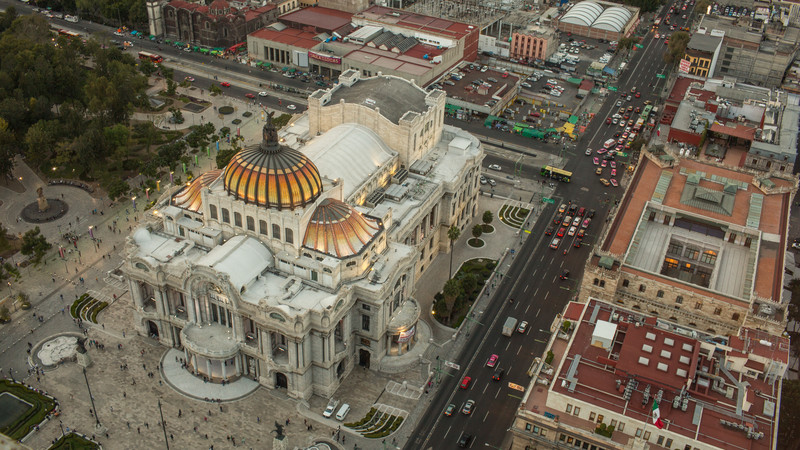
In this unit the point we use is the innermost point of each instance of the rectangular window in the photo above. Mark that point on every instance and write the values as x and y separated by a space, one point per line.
698 305
262 227
621 426
669 443
213 210
528 427
226 216
660 440
365 307
251 224
237 219
717 311
679 300
646 435
660 294
642 288
314 275
276 231
592 416
569 408
365 322
289 236
576 411
638 432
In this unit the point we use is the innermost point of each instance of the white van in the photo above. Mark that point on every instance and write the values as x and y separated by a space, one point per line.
343 412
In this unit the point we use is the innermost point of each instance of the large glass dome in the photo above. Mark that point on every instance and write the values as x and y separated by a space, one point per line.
272 175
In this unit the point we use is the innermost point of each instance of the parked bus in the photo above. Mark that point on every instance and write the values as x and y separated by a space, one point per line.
556 173
152 57
68 34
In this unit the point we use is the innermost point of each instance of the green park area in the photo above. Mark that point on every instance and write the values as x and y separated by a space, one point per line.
72 441
460 292
21 409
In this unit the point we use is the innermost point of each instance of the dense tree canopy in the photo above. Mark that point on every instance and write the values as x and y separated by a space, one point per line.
677 47
63 102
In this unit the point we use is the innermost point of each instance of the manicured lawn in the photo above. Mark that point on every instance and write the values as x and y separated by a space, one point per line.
72 441
39 407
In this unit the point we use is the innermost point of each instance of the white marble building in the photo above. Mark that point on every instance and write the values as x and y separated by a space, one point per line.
299 259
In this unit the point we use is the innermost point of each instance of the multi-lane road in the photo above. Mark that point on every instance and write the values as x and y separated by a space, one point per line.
533 282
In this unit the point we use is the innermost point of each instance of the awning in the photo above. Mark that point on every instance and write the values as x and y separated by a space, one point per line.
451 108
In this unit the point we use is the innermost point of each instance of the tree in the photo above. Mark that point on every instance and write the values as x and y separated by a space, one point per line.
8 142
224 157
701 7
33 243
147 68
177 115
118 188
8 271
677 47
451 291
469 283
477 231
789 430
453 233
39 142
488 217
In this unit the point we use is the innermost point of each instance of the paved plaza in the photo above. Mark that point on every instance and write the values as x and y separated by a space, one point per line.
131 374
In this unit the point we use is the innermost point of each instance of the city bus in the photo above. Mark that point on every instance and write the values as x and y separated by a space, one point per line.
556 173
68 34
646 111
152 57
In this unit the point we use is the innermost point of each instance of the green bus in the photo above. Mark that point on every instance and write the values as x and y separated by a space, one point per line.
646 112
556 173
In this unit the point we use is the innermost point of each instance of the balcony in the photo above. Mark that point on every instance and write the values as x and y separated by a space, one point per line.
251 339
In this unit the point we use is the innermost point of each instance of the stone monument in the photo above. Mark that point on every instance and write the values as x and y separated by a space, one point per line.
43 206
279 442
82 356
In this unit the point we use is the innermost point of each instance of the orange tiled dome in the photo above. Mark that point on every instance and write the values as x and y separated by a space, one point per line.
190 198
272 175
339 230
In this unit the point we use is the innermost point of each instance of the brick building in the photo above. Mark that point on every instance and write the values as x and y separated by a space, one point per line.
218 24
697 244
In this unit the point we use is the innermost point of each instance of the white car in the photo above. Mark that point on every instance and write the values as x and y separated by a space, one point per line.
292 107
118 33
262 94
495 167
588 151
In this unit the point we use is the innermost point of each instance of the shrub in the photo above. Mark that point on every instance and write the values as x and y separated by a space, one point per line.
550 356
225 110
236 121
247 114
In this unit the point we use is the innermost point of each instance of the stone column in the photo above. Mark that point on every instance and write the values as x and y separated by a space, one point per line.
190 308
238 361
224 369
186 354
194 364
136 293
208 367
161 301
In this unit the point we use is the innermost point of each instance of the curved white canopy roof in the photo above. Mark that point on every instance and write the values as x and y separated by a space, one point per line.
613 19
584 13
349 151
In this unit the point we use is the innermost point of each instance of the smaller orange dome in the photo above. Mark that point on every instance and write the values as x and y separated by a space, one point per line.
339 230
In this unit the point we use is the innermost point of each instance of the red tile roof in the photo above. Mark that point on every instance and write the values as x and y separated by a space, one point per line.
289 36
747 132
656 359
416 21
318 17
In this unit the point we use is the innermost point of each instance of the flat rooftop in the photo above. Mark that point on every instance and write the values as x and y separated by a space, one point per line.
394 96
465 90
406 19
705 200
323 19
619 361
288 36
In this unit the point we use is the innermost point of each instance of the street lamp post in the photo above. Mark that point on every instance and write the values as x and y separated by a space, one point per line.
91 397
163 424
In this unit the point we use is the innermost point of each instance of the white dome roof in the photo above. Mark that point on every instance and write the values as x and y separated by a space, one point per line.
584 13
613 19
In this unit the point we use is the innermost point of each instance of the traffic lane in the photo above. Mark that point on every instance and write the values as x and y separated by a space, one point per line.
428 426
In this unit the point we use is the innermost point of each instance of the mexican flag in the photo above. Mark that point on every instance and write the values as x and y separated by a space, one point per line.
657 416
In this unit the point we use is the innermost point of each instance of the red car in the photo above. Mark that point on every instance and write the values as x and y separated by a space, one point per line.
561 232
638 94
608 121
225 84
465 382
249 95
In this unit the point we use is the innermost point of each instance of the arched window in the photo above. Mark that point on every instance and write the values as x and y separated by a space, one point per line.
237 219
251 224
276 231
262 227
289 235
226 215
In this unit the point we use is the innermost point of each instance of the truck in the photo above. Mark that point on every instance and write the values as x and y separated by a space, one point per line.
509 326
609 143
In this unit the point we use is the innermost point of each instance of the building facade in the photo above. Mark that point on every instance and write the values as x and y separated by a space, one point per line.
702 52
216 25
298 260
534 43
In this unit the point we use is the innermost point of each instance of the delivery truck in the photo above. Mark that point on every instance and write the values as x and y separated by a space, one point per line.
509 326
